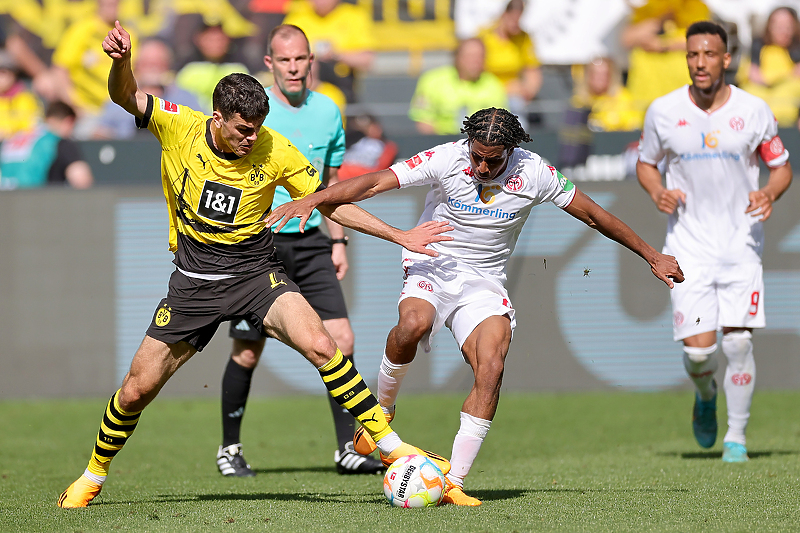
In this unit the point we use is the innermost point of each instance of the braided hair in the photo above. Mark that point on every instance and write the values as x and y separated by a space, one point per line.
495 127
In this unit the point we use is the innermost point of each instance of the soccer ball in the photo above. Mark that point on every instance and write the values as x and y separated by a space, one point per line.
413 481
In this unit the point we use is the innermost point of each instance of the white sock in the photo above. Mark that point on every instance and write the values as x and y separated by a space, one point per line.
740 380
94 477
390 377
389 443
701 365
466 446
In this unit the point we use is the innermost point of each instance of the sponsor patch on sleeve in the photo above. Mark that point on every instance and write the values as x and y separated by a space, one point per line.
413 162
565 184
169 107
772 149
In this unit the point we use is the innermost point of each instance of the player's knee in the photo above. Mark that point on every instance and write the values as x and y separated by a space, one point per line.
247 353
321 346
132 396
490 372
345 340
411 328
699 355
737 346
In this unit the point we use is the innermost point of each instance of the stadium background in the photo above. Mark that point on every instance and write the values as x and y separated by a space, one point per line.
83 271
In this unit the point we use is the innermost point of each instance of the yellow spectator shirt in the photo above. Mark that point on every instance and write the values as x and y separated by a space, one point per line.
20 111
507 58
348 28
80 53
216 199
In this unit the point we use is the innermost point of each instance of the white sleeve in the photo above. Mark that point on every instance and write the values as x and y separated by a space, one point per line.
555 187
651 150
771 149
425 168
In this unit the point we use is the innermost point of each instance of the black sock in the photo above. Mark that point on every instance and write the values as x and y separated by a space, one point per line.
235 389
343 421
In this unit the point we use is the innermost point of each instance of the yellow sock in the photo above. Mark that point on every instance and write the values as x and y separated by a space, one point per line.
348 388
116 427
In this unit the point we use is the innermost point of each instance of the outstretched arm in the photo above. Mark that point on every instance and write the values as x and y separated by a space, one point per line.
122 85
664 267
415 239
352 190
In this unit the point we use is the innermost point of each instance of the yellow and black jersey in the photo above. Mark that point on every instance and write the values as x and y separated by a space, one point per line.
216 199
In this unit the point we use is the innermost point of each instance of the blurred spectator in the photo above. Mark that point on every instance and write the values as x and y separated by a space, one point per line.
153 70
19 108
46 155
656 38
773 72
598 88
200 77
368 150
81 68
510 56
341 37
446 95
266 15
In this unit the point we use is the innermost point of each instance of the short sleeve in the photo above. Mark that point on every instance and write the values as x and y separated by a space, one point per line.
336 149
424 168
650 149
299 177
555 187
168 121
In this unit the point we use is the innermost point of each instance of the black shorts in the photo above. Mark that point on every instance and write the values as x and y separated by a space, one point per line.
306 258
194 308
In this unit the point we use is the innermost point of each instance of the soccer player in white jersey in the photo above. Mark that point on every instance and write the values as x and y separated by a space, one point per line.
711 135
485 187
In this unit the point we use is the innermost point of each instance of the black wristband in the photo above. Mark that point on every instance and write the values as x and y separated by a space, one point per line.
344 240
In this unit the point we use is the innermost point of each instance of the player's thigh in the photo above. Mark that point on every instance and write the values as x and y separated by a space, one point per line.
291 320
481 301
487 344
741 296
695 306
416 314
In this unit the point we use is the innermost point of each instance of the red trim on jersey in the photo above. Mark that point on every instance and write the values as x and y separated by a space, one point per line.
395 177
728 99
771 149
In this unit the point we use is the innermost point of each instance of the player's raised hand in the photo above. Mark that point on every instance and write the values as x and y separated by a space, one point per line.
667 269
301 209
117 44
667 200
416 239
760 205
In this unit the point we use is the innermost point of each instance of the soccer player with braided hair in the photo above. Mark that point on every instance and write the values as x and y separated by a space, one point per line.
485 186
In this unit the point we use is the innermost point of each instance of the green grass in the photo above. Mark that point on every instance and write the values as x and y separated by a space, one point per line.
566 462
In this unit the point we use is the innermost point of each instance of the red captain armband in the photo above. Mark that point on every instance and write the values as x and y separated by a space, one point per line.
770 150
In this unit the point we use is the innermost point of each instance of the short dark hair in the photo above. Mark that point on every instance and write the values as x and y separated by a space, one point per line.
284 31
495 127
240 93
60 110
706 27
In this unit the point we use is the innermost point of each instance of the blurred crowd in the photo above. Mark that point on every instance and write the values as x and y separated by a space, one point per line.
183 47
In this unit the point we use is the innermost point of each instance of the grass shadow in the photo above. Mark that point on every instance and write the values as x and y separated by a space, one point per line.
718 454
334 497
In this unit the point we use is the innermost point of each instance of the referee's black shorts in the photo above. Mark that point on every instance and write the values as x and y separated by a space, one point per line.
307 261
194 308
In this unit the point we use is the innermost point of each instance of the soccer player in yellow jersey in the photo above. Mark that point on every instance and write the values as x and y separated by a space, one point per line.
219 174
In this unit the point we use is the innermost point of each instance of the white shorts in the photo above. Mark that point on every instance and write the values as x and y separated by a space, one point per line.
462 298
714 297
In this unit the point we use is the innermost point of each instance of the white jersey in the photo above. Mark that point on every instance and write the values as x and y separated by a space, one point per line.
487 215
713 158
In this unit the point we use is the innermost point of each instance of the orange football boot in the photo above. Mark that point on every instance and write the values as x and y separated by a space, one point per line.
79 494
362 441
454 495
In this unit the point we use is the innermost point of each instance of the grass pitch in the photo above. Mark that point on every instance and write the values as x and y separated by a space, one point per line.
567 462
